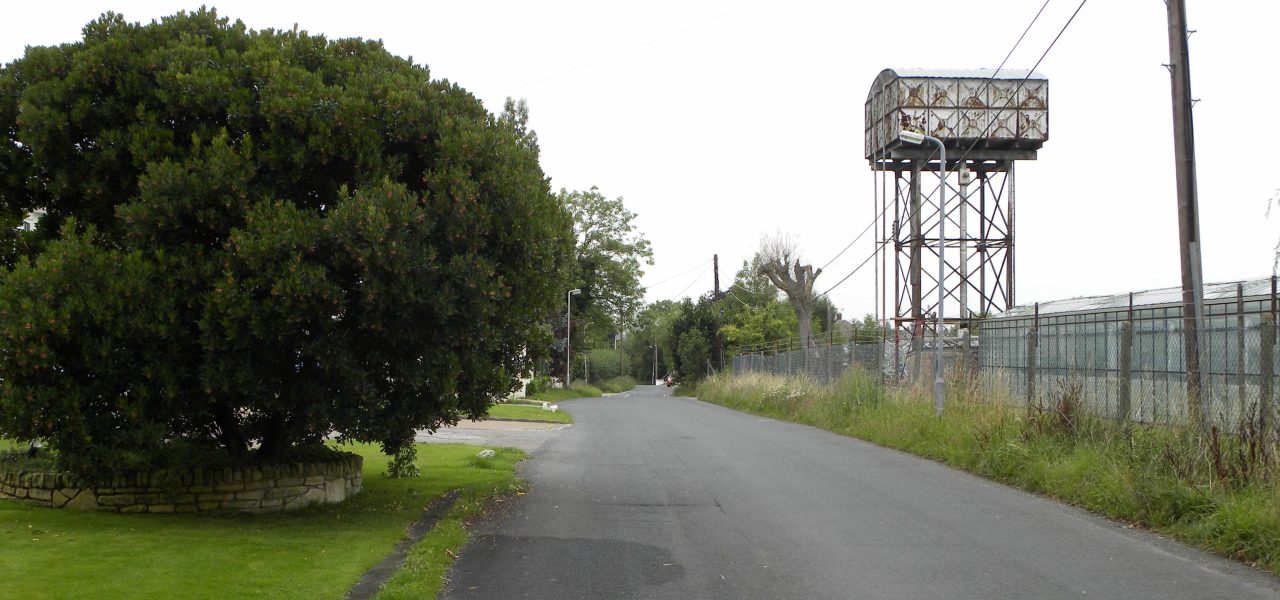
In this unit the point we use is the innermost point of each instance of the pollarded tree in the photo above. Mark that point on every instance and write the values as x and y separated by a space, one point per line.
260 237
778 259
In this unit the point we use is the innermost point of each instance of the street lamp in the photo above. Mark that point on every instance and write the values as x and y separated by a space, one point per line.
568 336
916 138
655 351
654 345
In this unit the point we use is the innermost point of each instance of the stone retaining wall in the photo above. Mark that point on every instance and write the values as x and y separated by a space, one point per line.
256 489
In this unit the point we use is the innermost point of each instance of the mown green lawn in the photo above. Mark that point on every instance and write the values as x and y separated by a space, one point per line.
528 412
319 552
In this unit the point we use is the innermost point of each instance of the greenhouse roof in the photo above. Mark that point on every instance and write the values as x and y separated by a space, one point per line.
1213 293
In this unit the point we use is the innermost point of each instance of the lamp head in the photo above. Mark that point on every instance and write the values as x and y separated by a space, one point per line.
911 137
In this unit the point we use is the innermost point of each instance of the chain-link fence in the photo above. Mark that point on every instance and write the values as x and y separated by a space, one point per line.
901 362
823 360
1136 368
1118 357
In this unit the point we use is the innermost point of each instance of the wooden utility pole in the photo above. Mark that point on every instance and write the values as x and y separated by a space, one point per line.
719 352
715 264
1188 207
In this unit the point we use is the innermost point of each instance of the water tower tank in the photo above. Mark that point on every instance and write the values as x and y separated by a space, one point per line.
1000 117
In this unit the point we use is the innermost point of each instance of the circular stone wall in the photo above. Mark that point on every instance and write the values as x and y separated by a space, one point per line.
254 489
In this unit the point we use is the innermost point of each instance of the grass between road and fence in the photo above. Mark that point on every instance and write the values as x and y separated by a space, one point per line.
318 552
1220 492
528 412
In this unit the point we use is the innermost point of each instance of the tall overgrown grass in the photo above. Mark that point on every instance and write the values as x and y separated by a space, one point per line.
1219 491
615 385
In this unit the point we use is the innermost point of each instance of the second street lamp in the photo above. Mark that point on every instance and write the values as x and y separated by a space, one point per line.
917 138
568 336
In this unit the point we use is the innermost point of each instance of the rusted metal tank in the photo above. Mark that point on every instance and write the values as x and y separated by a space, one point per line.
993 115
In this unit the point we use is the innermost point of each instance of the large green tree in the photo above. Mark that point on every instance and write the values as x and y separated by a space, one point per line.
260 237
610 253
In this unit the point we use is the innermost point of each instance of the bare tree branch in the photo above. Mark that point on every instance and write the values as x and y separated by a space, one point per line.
779 261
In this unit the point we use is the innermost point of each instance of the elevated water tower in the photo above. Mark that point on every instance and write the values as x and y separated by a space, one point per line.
987 121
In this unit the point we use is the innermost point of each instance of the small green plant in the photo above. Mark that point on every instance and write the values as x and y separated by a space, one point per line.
404 463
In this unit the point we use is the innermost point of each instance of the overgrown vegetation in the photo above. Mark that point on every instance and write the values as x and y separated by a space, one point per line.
319 552
1221 492
616 385
688 389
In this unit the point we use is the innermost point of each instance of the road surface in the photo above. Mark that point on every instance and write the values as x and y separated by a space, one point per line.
650 496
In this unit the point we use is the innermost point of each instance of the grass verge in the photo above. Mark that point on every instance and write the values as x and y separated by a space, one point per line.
422 574
318 552
1220 493
578 390
688 389
528 412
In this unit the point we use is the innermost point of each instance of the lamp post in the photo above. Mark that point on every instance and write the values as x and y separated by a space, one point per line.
655 352
568 336
917 138
655 361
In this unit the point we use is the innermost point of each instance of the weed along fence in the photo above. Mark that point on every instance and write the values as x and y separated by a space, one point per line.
1121 356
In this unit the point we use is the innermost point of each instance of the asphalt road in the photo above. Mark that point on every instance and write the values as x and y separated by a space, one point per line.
650 496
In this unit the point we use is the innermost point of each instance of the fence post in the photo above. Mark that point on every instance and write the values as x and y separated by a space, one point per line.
1240 350
1032 342
1266 372
1126 369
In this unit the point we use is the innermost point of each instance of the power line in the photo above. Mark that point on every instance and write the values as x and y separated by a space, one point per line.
855 240
1023 82
681 273
846 277
695 280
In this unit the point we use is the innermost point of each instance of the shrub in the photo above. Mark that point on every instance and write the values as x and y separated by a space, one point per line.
537 385
260 237
604 364
618 384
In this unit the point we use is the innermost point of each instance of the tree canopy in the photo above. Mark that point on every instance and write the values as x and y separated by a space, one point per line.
260 236
610 253
609 256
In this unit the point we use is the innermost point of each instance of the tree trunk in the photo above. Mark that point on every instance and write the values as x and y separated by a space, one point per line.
273 439
804 312
229 432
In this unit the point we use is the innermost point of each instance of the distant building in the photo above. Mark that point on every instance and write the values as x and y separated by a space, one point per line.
32 219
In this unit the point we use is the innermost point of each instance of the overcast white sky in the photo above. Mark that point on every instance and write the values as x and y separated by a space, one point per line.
720 120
